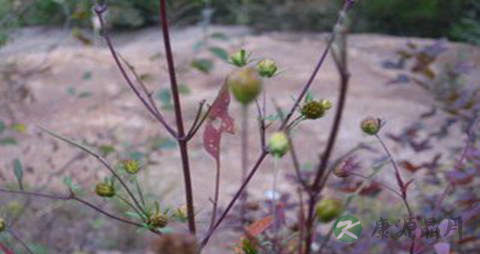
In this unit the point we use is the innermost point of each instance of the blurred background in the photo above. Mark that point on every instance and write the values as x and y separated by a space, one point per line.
457 20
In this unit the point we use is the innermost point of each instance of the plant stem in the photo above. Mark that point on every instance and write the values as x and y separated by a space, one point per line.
401 185
235 198
179 119
243 198
72 197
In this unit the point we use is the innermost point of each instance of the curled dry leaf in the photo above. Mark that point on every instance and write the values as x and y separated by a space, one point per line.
218 121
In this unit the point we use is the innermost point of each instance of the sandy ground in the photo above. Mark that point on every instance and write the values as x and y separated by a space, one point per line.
112 115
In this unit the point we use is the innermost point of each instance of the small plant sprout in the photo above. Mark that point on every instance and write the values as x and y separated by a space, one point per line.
328 209
106 190
267 68
3 225
245 84
240 58
278 144
131 166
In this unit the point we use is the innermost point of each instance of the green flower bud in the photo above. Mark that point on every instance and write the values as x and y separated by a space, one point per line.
239 58
245 84
158 220
278 144
313 110
105 190
3 225
131 166
371 125
328 209
267 68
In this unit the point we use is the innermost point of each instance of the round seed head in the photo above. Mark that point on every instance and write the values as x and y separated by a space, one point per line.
245 84
328 209
278 144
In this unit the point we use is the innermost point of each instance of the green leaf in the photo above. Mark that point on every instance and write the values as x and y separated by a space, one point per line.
106 150
203 65
84 94
220 53
309 97
166 230
136 155
184 89
165 98
19 127
8 141
87 75
18 171
2 126
69 182
219 36
71 90
163 143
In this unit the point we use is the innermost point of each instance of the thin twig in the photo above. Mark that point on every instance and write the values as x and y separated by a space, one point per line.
72 197
101 160
19 239
99 10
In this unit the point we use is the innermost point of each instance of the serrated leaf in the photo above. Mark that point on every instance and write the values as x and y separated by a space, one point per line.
18 171
219 52
8 141
203 65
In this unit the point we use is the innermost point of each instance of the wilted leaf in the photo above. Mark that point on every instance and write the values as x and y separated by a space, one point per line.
219 52
409 166
259 226
218 114
203 65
